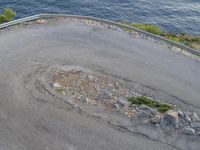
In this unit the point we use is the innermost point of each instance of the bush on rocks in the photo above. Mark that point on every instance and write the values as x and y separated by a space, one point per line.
141 100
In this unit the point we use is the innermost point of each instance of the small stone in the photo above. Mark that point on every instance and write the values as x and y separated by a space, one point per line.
164 123
147 110
110 85
182 123
41 21
63 93
121 103
143 113
116 84
84 100
118 106
180 113
176 49
56 85
195 117
133 106
195 124
187 114
157 125
156 119
198 133
188 119
103 96
177 126
90 77
171 116
189 131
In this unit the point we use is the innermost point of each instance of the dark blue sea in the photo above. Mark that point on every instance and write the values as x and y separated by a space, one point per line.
171 15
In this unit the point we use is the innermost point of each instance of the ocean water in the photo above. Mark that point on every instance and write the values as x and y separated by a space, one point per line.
171 15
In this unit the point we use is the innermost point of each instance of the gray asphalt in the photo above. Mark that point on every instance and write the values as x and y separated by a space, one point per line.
28 123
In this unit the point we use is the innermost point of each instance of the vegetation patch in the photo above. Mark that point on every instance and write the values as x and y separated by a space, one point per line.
149 28
8 15
141 100
183 38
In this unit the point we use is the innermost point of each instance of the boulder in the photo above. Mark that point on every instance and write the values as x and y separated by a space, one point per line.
171 116
189 130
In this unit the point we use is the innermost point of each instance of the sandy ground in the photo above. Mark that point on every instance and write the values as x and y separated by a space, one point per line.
33 119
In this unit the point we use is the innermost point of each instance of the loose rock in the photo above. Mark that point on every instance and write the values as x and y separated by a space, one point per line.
41 21
123 102
103 96
118 106
91 78
195 124
171 116
147 111
188 119
180 113
156 119
195 117
56 85
189 131
84 99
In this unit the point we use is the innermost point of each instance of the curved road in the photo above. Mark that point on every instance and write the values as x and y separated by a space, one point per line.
29 124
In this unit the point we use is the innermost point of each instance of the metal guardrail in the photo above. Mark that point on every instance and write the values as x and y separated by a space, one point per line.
18 21
46 16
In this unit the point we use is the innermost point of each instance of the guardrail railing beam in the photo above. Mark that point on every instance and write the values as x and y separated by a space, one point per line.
45 16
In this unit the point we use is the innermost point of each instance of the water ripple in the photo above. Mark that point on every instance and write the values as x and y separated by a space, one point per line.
172 15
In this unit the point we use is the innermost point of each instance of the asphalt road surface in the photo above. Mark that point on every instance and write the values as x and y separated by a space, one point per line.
28 123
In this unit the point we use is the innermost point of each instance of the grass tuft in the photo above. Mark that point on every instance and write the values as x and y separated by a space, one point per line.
141 100
149 28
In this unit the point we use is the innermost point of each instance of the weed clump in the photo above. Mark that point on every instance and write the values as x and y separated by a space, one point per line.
149 28
141 100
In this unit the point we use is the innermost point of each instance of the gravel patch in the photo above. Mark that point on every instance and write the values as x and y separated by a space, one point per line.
112 96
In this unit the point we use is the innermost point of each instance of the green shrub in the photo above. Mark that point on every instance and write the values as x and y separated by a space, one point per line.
8 15
149 28
141 100
172 36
